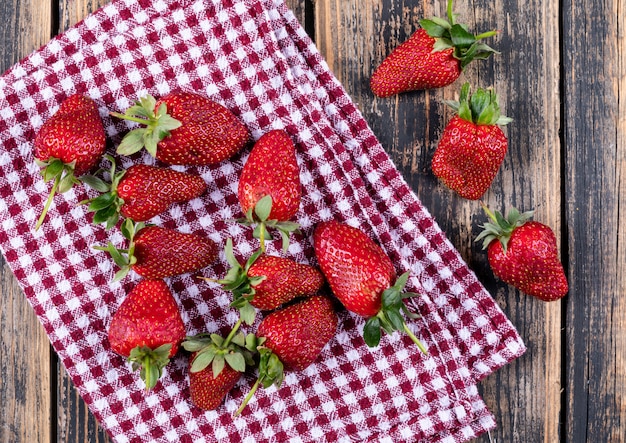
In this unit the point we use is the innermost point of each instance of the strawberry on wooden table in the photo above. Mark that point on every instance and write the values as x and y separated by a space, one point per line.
267 281
292 338
183 128
216 364
269 187
472 146
140 192
524 254
69 144
433 57
155 252
147 328
363 278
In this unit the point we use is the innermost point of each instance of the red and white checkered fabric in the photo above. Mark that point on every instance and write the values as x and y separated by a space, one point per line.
254 57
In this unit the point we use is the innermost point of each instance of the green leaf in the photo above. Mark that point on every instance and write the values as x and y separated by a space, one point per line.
108 215
67 182
396 320
218 365
54 168
102 201
217 339
202 360
371 332
461 37
132 142
247 314
263 208
435 26
95 183
236 361
239 339
168 123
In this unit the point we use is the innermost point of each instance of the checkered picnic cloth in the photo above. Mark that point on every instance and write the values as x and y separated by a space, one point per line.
255 58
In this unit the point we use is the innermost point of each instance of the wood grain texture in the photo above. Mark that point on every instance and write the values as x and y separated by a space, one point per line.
25 376
354 36
566 159
595 165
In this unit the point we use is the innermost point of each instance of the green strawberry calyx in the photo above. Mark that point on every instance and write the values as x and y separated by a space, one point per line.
236 350
64 179
156 125
500 227
480 108
150 362
271 372
106 206
449 34
239 283
124 258
389 317
258 216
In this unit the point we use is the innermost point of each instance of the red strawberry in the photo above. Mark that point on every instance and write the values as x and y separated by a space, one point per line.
292 338
363 278
216 364
148 329
472 146
269 187
155 252
183 128
524 254
266 282
432 57
208 390
140 192
69 144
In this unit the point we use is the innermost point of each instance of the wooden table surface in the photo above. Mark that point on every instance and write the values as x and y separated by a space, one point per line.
560 75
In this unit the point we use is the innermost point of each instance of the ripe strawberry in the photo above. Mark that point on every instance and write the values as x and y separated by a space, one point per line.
269 187
432 57
363 278
155 252
292 338
183 128
69 144
472 146
140 192
227 358
524 254
148 329
208 390
266 282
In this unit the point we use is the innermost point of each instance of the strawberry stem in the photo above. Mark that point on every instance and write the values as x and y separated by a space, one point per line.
488 211
248 397
416 340
232 333
486 34
141 121
53 191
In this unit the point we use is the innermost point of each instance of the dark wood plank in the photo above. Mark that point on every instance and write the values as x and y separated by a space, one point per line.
355 36
595 161
25 383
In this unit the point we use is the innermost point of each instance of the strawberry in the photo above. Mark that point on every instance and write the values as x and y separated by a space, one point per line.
140 192
472 146
267 281
155 252
183 128
269 187
524 254
147 328
216 364
208 390
292 338
69 144
433 57
363 278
